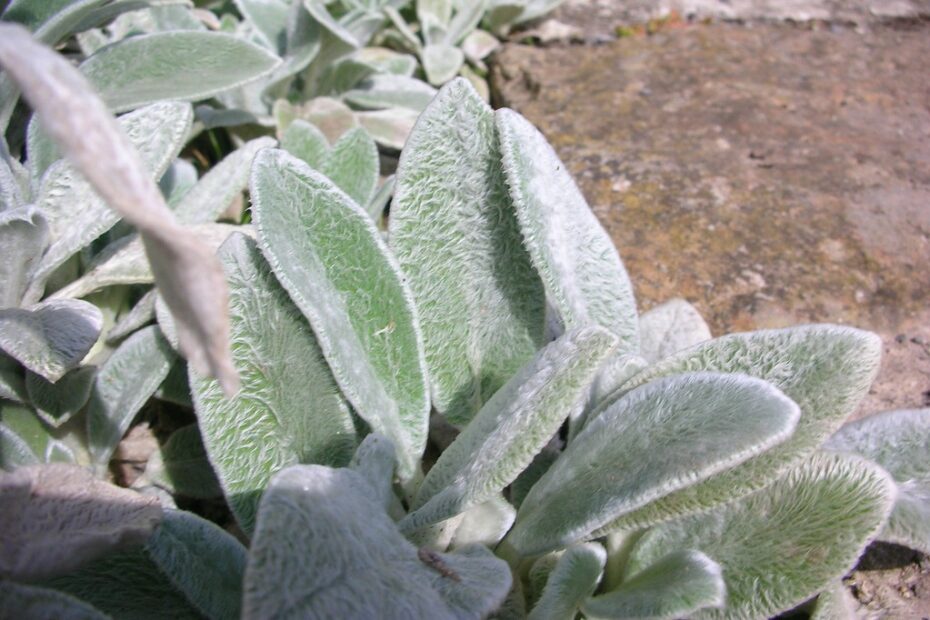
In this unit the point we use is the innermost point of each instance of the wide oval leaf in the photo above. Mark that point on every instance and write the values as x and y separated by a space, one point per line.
35 603
456 237
179 65
663 437
580 268
56 518
77 214
23 237
675 586
780 546
289 410
51 337
346 558
825 369
669 328
125 382
573 578
899 441
202 561
511 428
328 255
58 402
352 164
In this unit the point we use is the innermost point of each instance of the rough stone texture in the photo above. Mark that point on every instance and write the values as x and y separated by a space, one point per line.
772 175
599 19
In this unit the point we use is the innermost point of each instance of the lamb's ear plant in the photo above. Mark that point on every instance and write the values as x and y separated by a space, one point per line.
599 470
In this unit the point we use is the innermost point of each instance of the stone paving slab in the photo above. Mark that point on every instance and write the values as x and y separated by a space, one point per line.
598 20
772 175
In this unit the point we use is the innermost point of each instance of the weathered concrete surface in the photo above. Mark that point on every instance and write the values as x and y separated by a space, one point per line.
597 20
772 175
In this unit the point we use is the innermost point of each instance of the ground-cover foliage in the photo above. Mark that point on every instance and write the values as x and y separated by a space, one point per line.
607 463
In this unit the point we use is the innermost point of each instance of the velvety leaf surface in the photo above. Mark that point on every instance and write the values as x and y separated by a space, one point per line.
127 586
203 562
347 558
56 518
353 165
34 603
56 403
511 428
390 127
391 91
574 578
269 18
783 544
379 201
669 328
211 196
15 452
127 263
138 316
899 441
835 603
580 268
374 461
676 586
441 62
304 141
180 65
456 237
825 369
663 437
77 214
328 255
484 524
187 273
31 441
23 237
12 380
51 337
182 466
125 382
289 410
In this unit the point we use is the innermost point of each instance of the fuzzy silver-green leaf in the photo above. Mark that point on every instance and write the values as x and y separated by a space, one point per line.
574 578
456 237
328 255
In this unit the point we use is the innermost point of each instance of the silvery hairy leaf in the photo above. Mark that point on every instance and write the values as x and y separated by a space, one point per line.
181 465
352 164
479 45
675 586
899 441
781 545
203 562
178 179
669 328
125 261
347 558
332 117
22 601
186 272
123 385
580 268
573 578
836 602
317 9
269 17
179 65
825 369
484 524
58 402
441 62
374 461
12 380
434 15
391 91
52 337
25 439
23 237
353 295
342 75
76 213
56 518
290 409
306 142
140 315
467 16
511 428
387 60
13 194
379 201
389 127
456 237
665 436
127 586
